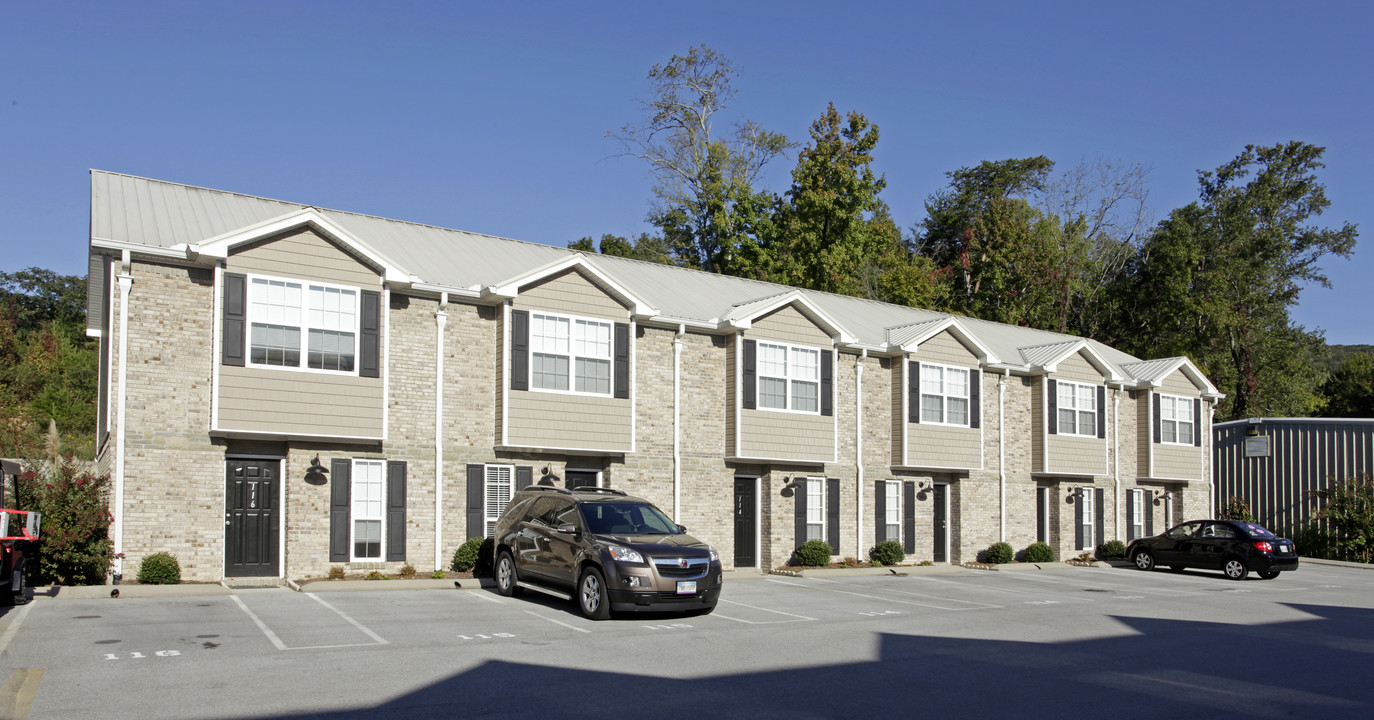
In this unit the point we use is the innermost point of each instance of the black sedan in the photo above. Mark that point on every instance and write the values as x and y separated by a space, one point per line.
1235 547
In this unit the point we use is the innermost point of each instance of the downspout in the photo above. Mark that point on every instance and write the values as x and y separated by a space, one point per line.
1116 460
859 452
1001 455
440 320
126 282
677 422
1207 455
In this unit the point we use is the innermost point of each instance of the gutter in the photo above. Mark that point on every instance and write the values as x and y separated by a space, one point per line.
677 422
1001 454
859 452
440 320
126 282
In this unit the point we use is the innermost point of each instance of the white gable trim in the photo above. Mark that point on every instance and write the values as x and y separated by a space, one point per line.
746 320
1191 372
1095 359
220 246
956 329
510 288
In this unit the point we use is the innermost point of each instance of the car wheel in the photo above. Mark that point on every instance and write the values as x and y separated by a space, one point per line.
591 595
506 577
1176 568
1269 574
1145 560
1235 568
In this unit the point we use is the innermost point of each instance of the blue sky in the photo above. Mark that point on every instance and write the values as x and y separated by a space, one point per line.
492 117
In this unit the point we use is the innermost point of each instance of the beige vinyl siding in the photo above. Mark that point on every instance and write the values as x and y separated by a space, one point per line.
787 436
502 368
1144 433
787 324
256 399
1176 383
899 408
945 348
941 446
1077 455
571 292
1077 368
305 255
731 393
1182 462
561 420
1038 425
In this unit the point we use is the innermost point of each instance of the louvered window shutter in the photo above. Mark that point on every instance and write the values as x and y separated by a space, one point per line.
396 511
1052 401
235 325
913 392
827 382
832 512
975 398
520 350
477 526
622 360
340 498
750 402
1101 412
879 511
370 327
909 517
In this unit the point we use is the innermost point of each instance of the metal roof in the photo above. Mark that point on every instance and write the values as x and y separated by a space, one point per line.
136 212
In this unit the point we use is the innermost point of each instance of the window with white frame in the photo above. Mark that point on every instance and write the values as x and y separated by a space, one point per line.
815 509
282 312
892 510
368 511
944 394
1176 419
570 354
789 377
498 492
1087 534
1077 409
1138 514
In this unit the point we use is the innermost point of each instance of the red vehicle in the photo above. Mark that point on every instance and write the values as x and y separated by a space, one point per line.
18 530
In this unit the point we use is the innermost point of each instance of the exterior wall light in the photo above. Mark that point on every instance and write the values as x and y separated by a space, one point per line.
316 474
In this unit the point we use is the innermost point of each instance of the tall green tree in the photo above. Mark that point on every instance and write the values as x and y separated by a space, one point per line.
1349 391
649 248
704 182
1216 280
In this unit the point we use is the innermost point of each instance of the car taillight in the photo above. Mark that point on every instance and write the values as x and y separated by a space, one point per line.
1264 546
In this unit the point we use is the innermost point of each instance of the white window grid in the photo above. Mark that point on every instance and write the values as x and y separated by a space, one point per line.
788 377
1138 513
284 312
498 481
570 354
1176 420
892 510
1077 405
368 511
944 395
815 509
1089 516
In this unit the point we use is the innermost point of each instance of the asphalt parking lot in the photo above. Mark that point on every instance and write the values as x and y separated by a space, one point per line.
1095 641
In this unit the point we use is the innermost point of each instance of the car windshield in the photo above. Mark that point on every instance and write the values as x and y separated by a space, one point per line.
627 518
1254 530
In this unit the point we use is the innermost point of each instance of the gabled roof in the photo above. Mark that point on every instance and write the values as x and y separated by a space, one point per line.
1153 372
510 287
1047 357
742 315
220 245
910 337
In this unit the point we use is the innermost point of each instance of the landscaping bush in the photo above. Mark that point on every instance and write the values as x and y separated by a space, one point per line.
407 571
1038 553
812 553
159 569
74 547
336 572
1111 550
465 557
999 553
887 552
376 575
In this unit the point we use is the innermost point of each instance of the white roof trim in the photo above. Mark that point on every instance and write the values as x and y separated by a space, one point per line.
219 246
955 327
759 308
1190 370
510 288
1094 358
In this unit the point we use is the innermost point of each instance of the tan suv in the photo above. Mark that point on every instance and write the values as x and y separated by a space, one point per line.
613 552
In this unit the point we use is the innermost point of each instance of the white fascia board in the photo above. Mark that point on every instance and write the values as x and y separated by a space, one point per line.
440 289
510 288
219 246
177 251
837 331
1094 358
669 321
957 328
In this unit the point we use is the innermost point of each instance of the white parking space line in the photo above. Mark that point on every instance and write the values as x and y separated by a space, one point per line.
277 641
12 626
558 622
377 638
795 618
981 606
485 596
261 625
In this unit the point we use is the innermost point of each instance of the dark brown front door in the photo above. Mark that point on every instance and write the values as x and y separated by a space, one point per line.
251 514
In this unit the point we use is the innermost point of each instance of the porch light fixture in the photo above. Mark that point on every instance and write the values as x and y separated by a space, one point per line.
316 474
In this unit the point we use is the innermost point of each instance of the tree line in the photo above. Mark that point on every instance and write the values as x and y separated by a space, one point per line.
1017 240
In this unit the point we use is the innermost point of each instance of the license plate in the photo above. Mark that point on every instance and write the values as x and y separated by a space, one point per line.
1285 548
687 587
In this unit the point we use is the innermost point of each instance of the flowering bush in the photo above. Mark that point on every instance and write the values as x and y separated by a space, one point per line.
74 546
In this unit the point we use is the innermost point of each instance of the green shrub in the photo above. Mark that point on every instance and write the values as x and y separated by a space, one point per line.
437 575
887 552
74 547
1111 550
812 553
1038 552
1348 515
376 575
465 557
999 552
159 569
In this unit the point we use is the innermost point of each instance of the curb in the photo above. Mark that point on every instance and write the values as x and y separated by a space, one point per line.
1337 563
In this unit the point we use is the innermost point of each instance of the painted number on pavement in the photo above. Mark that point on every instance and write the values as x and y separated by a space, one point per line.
140 656
492 636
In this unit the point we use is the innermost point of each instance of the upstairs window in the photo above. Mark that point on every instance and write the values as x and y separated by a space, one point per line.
570 354
944 395
789 377
1077 409
1176 419
282 312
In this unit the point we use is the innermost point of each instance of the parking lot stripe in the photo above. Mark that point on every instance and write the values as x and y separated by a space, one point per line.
350 620
973 585
558 622
261 625
18 692
982 605
799 618
13 625
884 599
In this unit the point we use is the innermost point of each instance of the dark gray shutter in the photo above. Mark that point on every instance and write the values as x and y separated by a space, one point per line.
1100 525
395 510
879 511
1156 415
340 496
909 517
827 382
1052 402
1130 515
1148 500
520 350
477 476
622 360
370 335
1101 411
1197 422
750 379
913 392
1079 530
524 477
235 320
799 495
975 398
832 514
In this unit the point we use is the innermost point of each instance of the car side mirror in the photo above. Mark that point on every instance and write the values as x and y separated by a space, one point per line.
567 529
682 528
